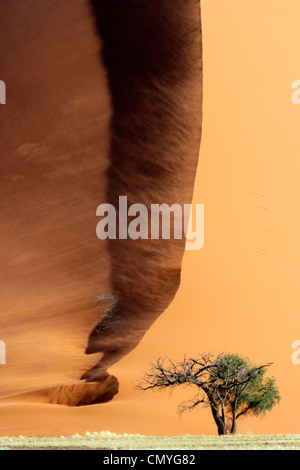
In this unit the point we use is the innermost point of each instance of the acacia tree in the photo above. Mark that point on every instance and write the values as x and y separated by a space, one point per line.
230 385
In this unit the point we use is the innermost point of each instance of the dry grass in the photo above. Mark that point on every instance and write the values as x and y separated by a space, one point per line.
107 440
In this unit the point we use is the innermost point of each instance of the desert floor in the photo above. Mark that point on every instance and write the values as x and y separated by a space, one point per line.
110 441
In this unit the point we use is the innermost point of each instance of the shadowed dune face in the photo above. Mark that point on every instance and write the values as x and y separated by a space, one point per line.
103 100
153 54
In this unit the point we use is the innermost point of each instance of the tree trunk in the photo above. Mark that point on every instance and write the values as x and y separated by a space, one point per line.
218 420
233 425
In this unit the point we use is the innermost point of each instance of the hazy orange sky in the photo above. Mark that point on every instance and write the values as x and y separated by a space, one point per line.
240 293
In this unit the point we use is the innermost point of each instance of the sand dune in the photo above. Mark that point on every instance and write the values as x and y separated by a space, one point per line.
100 103
153 55
54 154
239 294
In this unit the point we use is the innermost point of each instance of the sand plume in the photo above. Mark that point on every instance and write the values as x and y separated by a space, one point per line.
153 54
